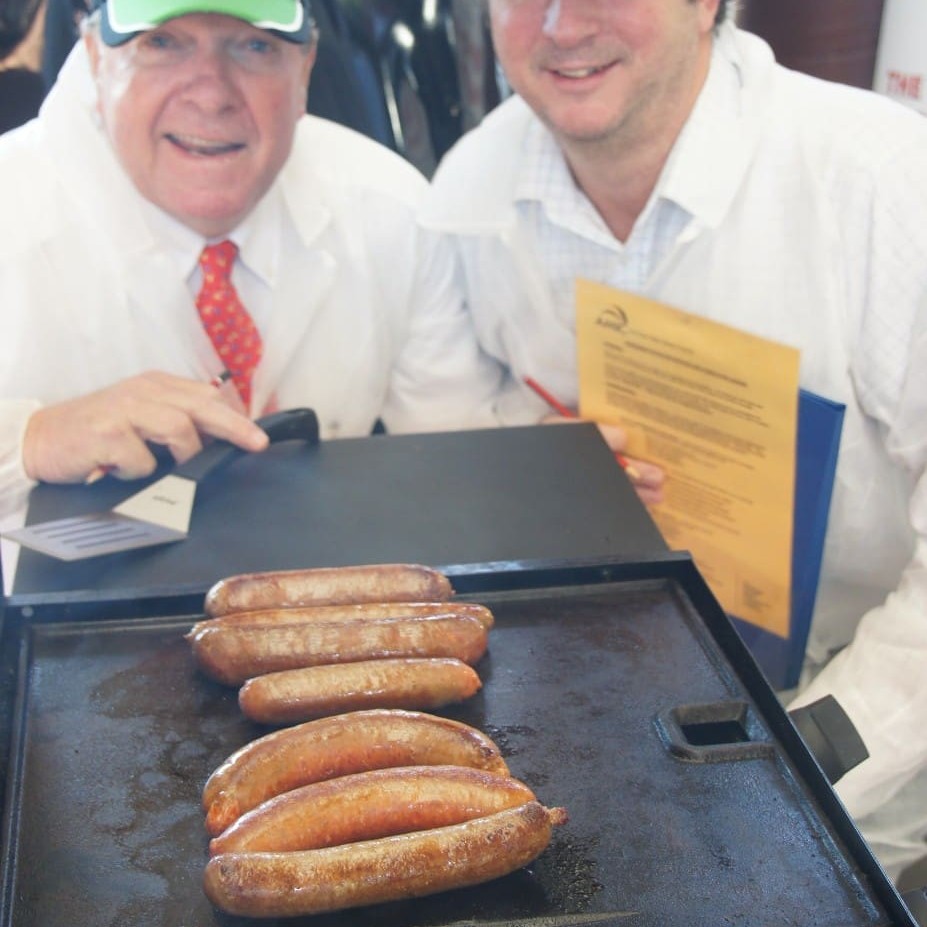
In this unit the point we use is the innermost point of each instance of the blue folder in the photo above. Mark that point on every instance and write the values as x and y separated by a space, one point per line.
820 422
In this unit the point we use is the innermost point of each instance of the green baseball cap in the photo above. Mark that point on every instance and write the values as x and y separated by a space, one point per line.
121 20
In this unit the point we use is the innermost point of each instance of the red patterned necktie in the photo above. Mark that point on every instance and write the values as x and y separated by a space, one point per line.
227 322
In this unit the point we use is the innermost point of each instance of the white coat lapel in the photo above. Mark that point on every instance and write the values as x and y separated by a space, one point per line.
164 313
302 276
300 289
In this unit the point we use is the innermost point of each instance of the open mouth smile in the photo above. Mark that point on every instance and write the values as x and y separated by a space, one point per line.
574 68
580 73
203 147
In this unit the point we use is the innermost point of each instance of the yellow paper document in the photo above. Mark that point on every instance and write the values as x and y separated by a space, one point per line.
717 409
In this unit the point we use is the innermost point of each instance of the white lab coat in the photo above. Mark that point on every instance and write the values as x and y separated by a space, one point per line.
809 228
364 322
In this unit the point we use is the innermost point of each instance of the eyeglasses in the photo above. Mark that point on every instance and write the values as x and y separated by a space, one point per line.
250 50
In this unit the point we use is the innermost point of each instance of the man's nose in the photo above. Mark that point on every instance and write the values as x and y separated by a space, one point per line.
208 77
570 21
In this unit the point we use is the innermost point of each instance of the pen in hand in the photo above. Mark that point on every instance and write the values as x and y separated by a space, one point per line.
97 473
561 409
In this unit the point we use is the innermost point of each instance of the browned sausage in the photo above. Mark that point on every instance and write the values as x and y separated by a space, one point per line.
336 746
296 695
368 805
391 582
231 655
387 869
338 614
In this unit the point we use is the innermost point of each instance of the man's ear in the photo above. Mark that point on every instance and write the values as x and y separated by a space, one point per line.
708 11
91 43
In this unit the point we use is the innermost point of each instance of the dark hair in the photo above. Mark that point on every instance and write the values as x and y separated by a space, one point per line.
16 17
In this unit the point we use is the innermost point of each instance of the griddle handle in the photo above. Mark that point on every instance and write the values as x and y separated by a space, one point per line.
830 735
289 425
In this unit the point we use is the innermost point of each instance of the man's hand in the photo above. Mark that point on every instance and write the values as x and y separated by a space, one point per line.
65 443
647 478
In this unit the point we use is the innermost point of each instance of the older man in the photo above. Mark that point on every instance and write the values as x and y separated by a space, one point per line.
173 213
654 147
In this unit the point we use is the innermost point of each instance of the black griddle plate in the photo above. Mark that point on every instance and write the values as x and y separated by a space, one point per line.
600 696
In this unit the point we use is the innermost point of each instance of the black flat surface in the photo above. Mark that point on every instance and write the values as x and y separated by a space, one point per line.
115 732
534 493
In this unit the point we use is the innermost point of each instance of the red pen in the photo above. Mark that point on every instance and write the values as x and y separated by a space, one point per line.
561 409
97 473
552 401
221 378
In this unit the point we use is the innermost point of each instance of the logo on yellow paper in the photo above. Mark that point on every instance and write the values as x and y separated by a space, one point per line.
614 318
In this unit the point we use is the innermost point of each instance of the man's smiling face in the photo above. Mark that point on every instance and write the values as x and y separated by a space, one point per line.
602 70
201 113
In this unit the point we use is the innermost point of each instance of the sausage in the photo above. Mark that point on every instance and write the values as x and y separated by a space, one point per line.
395 582
368 805
335 746
290 696
336 614
387 869
231 655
